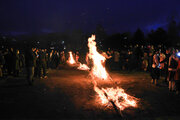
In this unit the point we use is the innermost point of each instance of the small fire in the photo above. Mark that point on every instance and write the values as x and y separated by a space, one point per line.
71 59
83 67
98 70
118 96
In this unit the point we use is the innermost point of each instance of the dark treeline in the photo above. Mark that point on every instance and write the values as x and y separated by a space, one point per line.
77 39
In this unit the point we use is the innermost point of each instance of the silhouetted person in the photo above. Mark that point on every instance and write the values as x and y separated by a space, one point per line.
17 64
2 62
172 68
10 61
155 68
29 60
42 58
166 64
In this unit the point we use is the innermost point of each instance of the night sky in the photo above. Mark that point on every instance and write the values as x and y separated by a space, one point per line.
46 16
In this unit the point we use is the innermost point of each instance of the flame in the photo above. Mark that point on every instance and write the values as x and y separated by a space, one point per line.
118 96
105 95
83 67
71 59
98 70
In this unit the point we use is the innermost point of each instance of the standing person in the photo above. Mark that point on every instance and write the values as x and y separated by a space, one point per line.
51 59
77 57
173 63
2 62
10 61
162 57
116 60
55 60
150 62
130 61
42 57
13 60
29 61
177 77
166 64
63 58
145 62
38 63
155 68
35 52
106 57
17 64
22 61
108 60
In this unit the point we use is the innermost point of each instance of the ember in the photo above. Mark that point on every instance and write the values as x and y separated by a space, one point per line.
118 96
83 67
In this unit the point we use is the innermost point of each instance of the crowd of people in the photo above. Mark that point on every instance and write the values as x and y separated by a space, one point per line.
36 62
33 61
159 63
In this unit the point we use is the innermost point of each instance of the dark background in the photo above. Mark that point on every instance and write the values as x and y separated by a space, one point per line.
46 23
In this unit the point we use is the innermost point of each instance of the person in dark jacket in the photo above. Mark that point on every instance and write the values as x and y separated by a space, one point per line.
2 62
166 64
42 58
29 60
155 68
10 61
17 63
172 68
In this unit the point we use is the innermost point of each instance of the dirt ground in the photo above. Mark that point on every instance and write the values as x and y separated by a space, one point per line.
68 94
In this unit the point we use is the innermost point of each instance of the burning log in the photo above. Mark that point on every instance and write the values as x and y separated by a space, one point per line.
83 67
118 111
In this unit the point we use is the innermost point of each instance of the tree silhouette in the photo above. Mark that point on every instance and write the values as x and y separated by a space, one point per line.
173 36
138 37
158 37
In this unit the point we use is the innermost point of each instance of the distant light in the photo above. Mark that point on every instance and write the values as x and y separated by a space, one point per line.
64 47
125 37
38 42
62 42
178 54
52 48
4 37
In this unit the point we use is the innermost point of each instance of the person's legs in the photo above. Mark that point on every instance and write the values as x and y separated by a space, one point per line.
173 86
30 75
157 76
171 80
44 70
153 75
170 86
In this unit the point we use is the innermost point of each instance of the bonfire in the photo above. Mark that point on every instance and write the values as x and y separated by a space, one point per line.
115 97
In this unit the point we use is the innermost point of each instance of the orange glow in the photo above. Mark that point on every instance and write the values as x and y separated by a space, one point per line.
71 59
98 70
